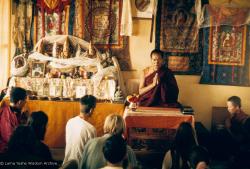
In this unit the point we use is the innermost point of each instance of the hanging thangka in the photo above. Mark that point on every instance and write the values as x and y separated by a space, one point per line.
51 18
226 50
22 25
177 35
99 21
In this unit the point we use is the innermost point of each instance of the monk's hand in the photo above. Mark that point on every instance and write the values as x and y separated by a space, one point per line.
155 80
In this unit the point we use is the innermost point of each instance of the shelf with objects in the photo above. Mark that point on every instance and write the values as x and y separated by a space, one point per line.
64 67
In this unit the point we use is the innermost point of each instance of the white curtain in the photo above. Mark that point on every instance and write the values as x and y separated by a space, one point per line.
5 41
126 22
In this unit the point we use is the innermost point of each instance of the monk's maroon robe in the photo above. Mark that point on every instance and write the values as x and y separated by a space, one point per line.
8 122
164 94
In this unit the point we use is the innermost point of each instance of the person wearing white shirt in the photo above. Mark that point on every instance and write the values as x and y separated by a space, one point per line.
79 131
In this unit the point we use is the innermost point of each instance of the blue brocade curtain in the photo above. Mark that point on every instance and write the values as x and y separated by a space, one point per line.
226 60
226 47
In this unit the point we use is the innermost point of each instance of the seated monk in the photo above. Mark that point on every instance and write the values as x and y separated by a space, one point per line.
11 115
158 87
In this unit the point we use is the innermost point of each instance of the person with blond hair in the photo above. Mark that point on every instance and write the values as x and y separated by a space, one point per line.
93 157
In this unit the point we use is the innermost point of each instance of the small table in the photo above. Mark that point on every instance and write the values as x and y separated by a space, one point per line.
153 128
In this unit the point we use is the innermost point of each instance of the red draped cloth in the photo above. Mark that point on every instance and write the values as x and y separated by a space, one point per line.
164 94
8 123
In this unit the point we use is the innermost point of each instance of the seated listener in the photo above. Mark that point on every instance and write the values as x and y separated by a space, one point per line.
23 147
228 140
178 155
114 151
236 126
79 131
38 122
92 157
235 123
158 86
11 115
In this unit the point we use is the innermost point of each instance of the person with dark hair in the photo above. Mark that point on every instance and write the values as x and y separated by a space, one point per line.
236 136
22 141
158 86
236 121
11 115
185 139
22 148
199 158
114 151
79 131
237 117
38 122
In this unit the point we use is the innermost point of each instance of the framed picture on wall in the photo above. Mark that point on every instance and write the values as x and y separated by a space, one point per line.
81 91
143 8
37 69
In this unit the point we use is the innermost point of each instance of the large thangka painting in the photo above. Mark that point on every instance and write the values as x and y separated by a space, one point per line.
50 18
179 32
227 45
177 35
226 56
100 20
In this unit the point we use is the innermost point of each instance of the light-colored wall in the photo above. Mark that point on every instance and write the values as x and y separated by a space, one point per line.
200 97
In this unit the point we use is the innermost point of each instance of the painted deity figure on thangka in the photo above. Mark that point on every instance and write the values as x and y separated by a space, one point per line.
178 27
227 45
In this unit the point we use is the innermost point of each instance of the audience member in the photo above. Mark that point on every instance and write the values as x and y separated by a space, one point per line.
236 121
114 151
38 122
79 131
185 140
93 157
21 148
11 115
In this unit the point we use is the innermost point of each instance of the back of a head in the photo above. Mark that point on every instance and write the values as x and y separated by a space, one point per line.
197 155
38 121
88 102
114 124
22 140
16 94
115 149
235 100
185 138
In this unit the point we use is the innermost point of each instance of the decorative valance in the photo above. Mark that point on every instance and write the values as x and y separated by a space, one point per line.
223 15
